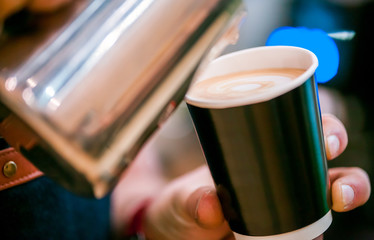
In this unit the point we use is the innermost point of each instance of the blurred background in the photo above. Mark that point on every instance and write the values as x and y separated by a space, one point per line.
348 95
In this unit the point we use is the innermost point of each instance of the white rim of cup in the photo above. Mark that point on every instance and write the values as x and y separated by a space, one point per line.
309 232
265 51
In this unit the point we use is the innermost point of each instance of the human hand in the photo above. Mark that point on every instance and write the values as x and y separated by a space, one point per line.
189 208
350 186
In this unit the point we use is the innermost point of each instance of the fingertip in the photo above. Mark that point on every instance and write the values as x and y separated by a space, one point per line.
343 197
336 137
209 212
350 190
332 146
205 208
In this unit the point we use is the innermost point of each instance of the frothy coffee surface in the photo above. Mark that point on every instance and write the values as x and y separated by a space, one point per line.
242 87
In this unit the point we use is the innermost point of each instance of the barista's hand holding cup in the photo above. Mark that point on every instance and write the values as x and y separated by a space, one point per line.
257 117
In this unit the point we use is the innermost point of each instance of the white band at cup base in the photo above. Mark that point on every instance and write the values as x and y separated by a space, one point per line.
306 233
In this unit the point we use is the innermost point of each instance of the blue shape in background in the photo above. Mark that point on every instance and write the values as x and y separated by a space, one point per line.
316 41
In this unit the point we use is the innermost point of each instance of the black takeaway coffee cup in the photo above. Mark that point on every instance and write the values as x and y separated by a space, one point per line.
257 117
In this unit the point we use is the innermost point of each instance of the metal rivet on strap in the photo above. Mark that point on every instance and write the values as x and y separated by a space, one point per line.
10 169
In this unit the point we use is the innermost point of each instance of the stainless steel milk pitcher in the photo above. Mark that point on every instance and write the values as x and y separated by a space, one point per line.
80 100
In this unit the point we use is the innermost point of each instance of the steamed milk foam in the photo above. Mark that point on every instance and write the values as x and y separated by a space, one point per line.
241 88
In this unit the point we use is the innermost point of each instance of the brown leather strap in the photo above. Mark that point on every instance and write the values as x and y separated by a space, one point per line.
15 169
16 133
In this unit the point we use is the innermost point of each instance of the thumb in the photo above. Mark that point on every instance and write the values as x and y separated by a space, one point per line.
188 208
204 207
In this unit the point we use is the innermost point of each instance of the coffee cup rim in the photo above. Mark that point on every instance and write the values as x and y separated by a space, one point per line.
304 59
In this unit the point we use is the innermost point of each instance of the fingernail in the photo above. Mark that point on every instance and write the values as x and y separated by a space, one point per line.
333 146
347 195
201 205
194 200
208 212
196 211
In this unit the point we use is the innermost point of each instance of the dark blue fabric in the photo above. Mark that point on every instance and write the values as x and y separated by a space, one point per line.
41 209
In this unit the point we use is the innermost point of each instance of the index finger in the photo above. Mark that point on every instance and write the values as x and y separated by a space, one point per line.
335 135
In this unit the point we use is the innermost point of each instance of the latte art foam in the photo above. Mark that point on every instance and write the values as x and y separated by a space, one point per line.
243 87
